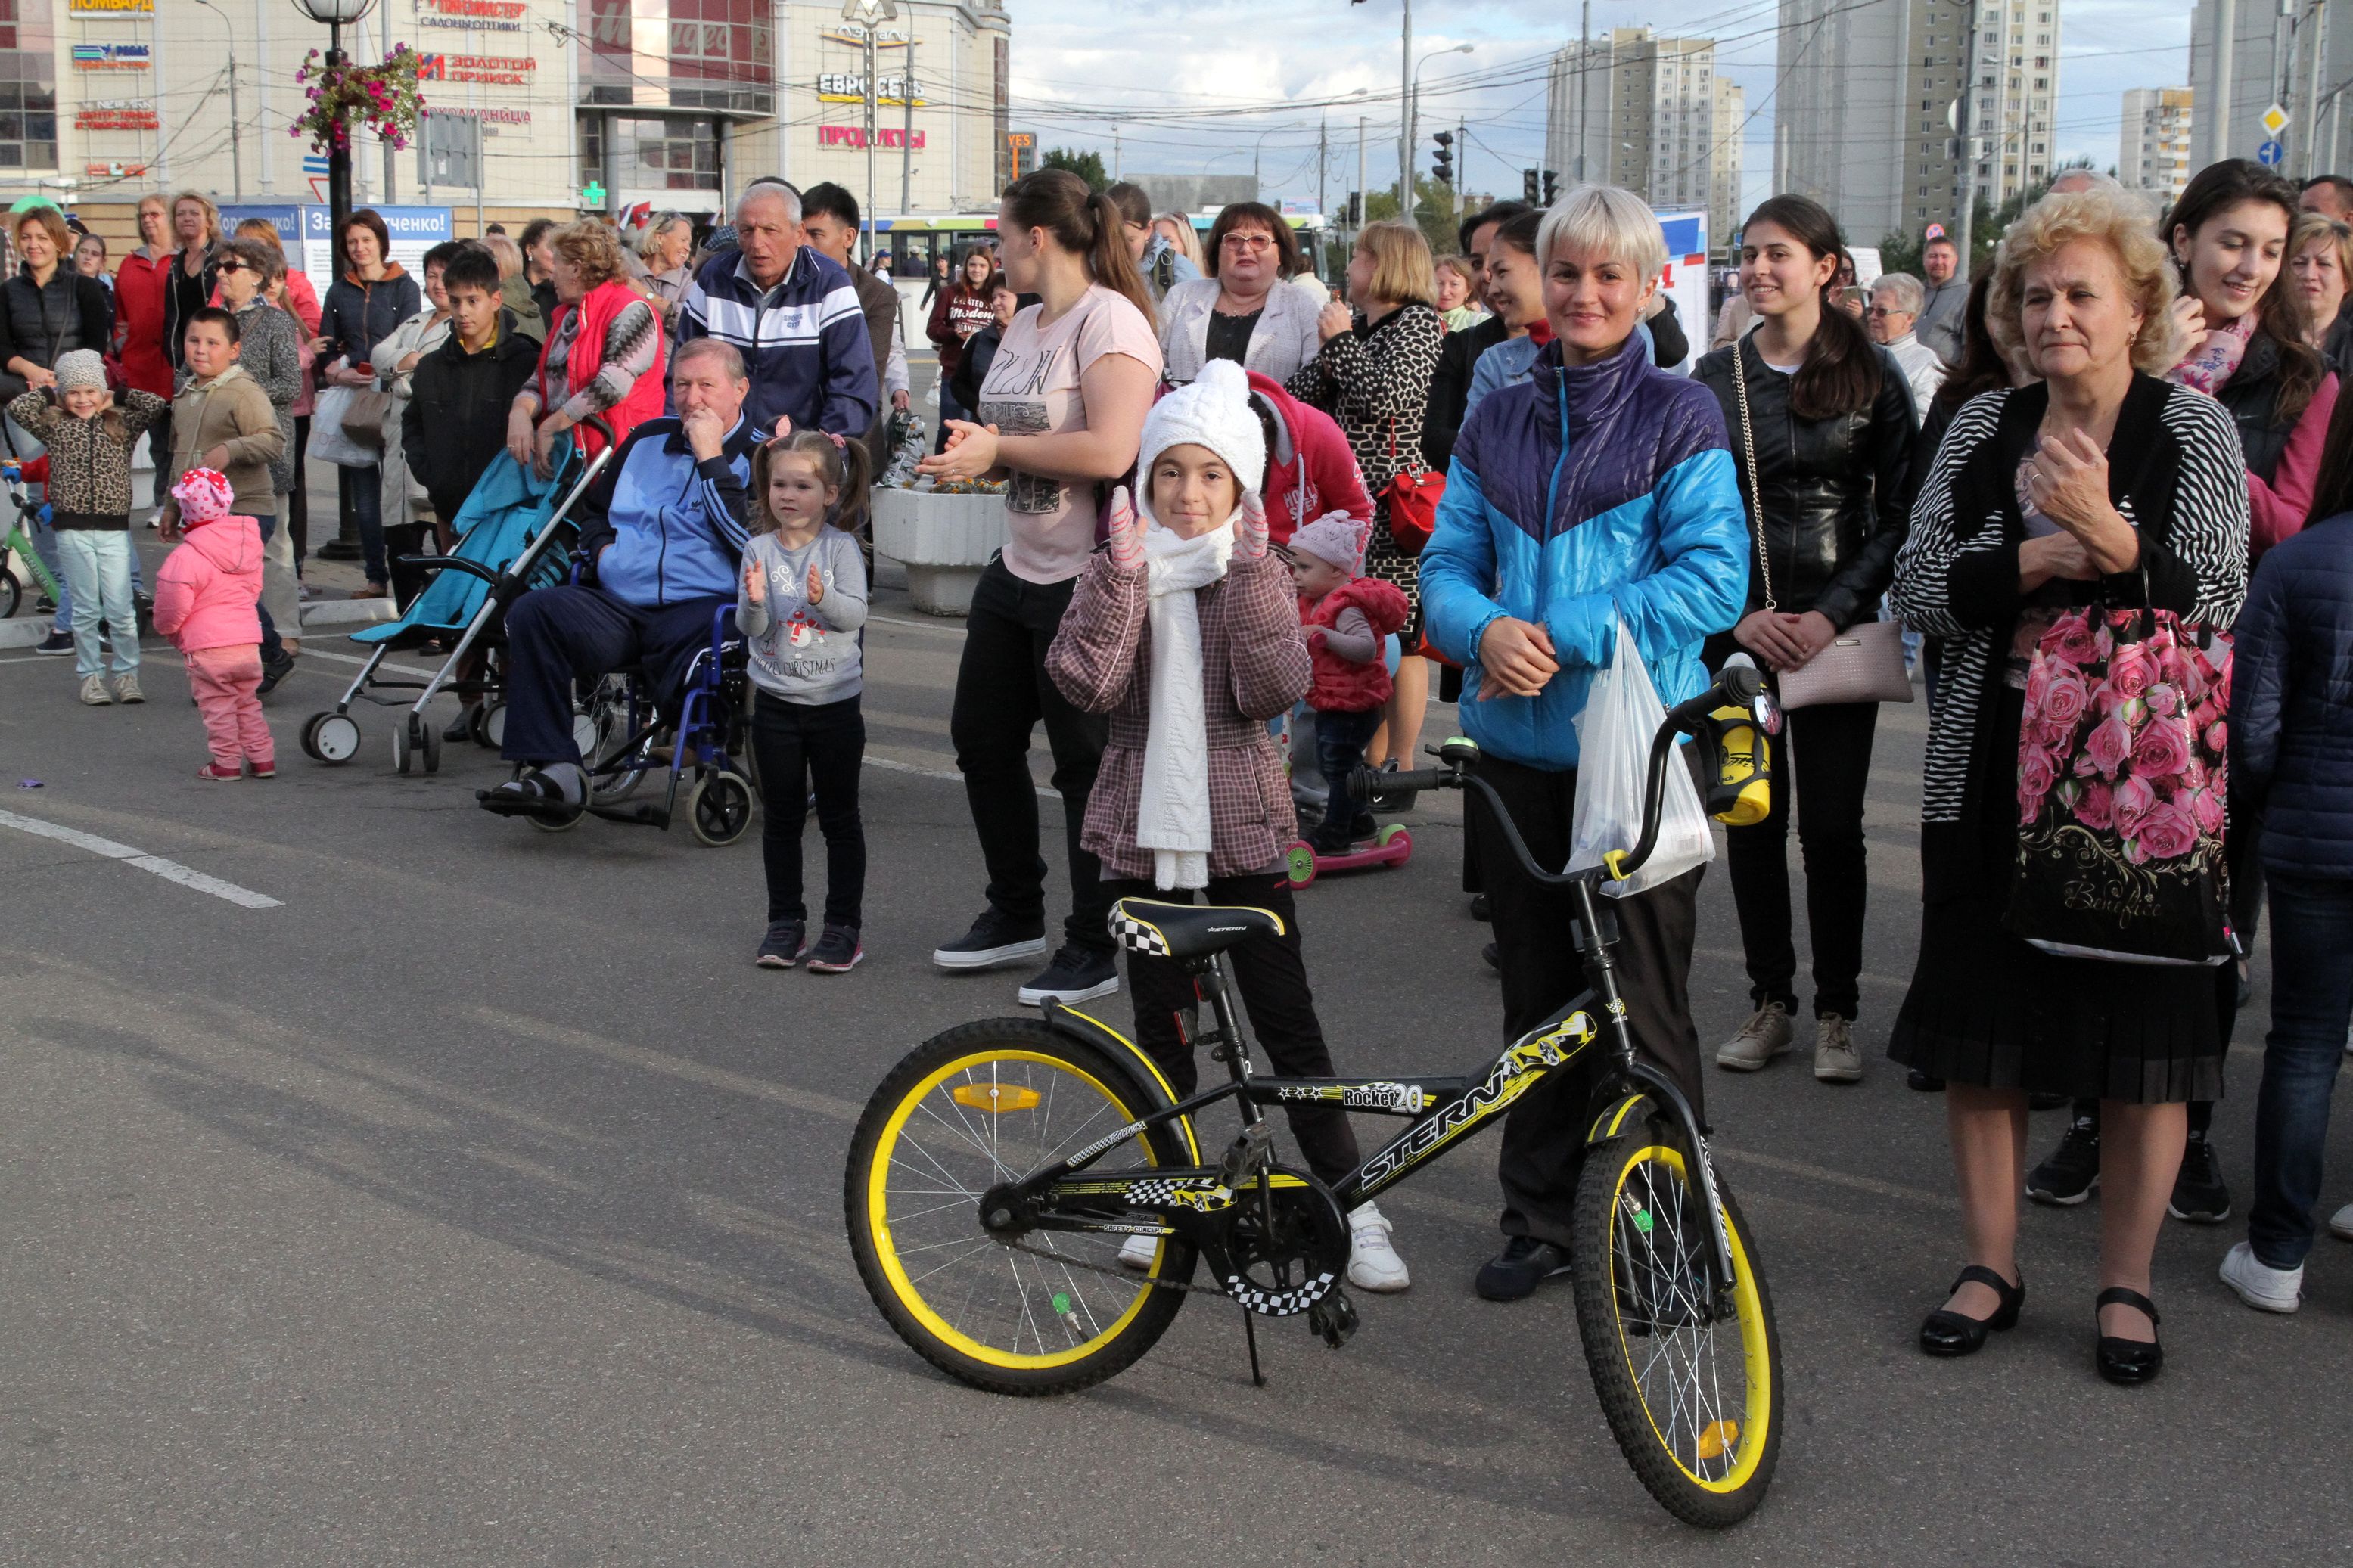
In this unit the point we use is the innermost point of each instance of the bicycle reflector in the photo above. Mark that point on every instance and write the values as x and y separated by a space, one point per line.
1739 737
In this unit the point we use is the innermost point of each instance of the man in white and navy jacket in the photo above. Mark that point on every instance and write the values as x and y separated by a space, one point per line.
661 537
795 317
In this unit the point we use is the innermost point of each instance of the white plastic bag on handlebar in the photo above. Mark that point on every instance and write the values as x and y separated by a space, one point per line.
1622 713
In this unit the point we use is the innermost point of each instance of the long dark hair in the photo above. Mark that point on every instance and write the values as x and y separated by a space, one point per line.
960 287
843 465
1082 221
1982 368
2332 491
2279 315
1841 374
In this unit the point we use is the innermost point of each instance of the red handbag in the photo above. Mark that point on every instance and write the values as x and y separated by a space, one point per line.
1412 495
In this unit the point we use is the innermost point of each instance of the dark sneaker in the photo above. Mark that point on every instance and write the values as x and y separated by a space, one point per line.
1514 1273
995 938
782 946
2199 1195
56 643
1924 1082
274 670
1481 908
2073 1171
1493 953
2041 1100
1076 974
837 951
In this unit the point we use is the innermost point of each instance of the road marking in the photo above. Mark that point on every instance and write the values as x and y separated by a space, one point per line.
1045 792
170 870
348 658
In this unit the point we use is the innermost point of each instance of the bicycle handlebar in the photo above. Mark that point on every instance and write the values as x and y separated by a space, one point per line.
1735 686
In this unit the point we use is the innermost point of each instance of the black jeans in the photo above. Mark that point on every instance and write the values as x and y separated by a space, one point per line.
1543 1132
298 505
1272 977
1002 692
800 748
1823 761
159 443
1340 739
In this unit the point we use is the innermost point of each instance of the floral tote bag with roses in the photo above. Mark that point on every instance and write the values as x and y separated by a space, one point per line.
2121 790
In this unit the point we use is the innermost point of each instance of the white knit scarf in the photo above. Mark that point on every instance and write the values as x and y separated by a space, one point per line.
1172 814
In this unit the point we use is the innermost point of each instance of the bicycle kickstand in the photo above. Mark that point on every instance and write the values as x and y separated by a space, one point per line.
1250 1336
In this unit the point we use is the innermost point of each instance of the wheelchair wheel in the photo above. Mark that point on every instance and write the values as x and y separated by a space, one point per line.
719 808
963 1110
1688 1373
488 725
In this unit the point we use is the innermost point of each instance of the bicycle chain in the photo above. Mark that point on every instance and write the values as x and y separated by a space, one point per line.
1110 1270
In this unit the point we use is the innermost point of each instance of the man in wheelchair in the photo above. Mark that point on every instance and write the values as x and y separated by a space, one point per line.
661 541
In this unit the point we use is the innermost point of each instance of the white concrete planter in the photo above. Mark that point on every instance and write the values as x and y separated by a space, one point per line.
943 541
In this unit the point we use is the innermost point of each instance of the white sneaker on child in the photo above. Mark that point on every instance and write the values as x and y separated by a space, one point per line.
1373 1262
1138 1252
2258 1284
2340 1224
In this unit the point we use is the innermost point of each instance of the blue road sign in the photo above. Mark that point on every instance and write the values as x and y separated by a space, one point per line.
2272 154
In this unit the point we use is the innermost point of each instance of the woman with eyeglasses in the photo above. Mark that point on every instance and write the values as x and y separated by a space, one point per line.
1247 310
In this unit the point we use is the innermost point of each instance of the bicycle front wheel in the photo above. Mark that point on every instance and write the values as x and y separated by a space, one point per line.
984 1104
1688 1373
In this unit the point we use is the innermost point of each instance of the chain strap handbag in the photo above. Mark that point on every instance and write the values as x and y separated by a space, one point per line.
1865 663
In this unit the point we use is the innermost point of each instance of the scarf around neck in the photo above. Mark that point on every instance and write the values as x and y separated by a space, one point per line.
1172 816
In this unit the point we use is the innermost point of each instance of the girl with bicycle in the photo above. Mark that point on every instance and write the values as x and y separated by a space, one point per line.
1184 629
1599 490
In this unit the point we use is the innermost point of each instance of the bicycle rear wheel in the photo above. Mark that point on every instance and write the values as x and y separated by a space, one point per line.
1688 1375
980 1104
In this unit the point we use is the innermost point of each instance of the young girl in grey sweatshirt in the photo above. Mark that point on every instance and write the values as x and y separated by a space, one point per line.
801 603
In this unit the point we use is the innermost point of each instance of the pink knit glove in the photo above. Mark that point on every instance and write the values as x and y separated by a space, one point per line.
1127 531
1250 534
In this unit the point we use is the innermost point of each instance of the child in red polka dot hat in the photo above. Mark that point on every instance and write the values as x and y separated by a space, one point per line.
205 597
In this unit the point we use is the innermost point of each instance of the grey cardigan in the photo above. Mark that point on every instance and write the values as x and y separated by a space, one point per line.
1285 339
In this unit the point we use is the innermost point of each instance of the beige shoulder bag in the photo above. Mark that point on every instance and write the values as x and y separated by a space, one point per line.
1865 663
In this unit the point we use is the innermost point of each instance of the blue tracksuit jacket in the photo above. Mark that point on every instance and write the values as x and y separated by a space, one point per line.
675 526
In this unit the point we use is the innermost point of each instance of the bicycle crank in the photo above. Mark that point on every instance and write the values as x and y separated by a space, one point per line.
1281 1248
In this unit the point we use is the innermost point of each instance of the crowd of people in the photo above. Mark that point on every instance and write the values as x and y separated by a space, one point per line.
1242 504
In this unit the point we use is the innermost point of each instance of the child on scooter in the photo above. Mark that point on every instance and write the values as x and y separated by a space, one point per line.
1346 616
1182 630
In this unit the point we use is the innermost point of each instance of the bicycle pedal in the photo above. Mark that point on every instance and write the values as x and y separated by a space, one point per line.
1333 1318
1246 1154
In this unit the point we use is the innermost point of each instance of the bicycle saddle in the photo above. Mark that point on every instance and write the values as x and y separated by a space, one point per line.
1186 930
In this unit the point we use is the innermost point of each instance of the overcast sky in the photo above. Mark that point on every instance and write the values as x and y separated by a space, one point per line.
1211 63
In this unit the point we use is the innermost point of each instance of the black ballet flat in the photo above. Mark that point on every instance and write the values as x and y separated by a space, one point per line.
1949 1333
2128 1362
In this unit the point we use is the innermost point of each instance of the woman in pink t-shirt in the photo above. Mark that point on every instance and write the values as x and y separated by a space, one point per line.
1061 413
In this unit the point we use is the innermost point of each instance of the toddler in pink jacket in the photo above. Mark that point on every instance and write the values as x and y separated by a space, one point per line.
205 599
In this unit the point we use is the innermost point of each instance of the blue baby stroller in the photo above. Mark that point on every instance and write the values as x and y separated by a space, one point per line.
514 534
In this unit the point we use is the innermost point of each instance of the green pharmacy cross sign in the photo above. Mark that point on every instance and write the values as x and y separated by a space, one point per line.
591 194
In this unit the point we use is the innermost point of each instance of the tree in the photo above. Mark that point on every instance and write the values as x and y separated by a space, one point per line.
1435 209
1088 166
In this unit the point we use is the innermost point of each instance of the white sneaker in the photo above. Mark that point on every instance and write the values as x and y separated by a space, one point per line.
94 692
1138 1252
1837 1059
2259 1286
1758 1041
2340 1224
1373 1262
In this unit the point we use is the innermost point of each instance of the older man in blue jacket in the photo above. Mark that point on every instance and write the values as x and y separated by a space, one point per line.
1601 490
662 532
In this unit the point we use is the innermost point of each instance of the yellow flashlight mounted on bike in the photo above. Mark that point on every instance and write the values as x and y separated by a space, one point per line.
1739 737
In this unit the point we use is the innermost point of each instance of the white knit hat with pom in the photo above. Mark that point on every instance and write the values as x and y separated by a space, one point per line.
1213 410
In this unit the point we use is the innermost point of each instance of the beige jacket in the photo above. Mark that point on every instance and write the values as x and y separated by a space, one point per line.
232 411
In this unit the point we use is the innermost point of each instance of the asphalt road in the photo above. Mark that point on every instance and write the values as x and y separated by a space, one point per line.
478 1201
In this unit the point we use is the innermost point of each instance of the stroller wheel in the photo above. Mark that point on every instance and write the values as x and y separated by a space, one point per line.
404 751
428 736
331 737
488 725
719 806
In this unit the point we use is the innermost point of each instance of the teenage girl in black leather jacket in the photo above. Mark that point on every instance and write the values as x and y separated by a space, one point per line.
1832 425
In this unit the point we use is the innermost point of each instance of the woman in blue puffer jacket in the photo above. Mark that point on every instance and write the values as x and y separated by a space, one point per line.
1602 487
2292 765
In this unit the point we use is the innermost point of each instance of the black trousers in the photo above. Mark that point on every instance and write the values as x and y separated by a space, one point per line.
298 505
799 749
1272 977
1002 692
1543 1132
1823 761
159 442
564 634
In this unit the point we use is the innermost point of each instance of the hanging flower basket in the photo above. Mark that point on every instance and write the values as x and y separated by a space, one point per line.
382 98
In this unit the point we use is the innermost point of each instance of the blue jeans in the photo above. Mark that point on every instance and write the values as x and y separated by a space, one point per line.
2312 997
363 496
97 574
1340 737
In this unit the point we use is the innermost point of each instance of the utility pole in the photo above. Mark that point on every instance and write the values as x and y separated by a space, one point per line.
1404 117
907 133
236 132
1116 170
1461 168
2311 138
1584 62
2226 37
1965 186
873 134
1360 183
1323 163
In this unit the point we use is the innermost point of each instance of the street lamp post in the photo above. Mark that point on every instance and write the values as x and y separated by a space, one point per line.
236 134
867 16
337 14
1413 122
1257 147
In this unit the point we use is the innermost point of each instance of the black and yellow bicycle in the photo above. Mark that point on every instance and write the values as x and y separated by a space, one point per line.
1002 1165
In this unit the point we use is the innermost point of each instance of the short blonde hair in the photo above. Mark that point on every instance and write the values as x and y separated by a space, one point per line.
2313 226
1458 264
506 252
211 213
2106 216
593 249
660 223
1186 239
1402 271
1605 224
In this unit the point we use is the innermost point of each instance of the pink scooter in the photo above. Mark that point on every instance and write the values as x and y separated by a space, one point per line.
1392 846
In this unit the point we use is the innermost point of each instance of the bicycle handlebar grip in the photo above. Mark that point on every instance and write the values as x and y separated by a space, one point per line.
1366 782
1741 682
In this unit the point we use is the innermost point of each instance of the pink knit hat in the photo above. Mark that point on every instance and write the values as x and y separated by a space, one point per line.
1334 537
204 496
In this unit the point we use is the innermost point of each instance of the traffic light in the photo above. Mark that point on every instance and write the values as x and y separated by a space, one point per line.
1528 185
1353 210
1441 163
1551 187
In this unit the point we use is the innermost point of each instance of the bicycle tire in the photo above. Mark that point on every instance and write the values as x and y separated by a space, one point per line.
1028 1064
1704 1464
